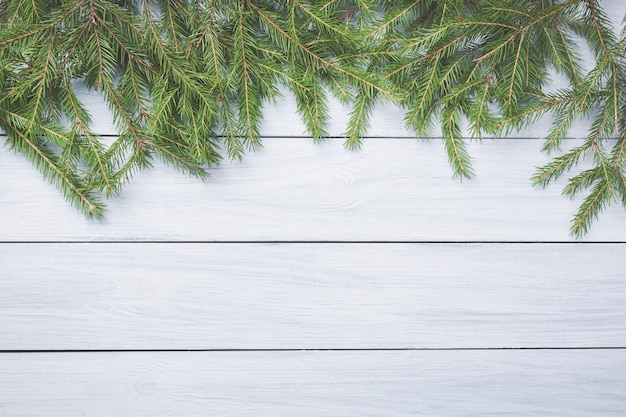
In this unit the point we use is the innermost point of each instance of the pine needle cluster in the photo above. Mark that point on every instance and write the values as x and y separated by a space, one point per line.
186 81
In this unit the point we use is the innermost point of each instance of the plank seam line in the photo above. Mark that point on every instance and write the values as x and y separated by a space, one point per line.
340 137
14 351
255 242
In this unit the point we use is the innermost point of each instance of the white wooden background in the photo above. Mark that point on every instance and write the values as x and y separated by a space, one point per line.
309 280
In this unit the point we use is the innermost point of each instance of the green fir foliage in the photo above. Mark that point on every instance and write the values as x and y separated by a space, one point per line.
186 81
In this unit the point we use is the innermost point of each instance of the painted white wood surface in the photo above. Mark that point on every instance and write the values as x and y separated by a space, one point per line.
268 384
132 294
310 296
394 189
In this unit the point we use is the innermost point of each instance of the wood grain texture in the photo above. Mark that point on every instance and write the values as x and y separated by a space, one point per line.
307 384
135 295
393 190
310 296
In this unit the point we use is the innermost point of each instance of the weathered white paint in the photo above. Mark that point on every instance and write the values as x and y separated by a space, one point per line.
268 384
308 296
394 189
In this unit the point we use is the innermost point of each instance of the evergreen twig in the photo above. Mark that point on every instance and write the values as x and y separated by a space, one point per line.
186 80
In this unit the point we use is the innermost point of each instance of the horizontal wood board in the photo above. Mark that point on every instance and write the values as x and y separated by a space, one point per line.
280 116
268 384
310 296
295 190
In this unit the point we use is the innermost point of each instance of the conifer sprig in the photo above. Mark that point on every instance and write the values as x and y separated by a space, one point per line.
187 81
183 80
476 61
601 95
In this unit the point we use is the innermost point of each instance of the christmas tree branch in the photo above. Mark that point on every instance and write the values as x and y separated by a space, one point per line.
187 80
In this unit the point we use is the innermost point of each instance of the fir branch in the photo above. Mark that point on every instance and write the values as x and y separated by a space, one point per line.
216 59
590 209
455 146
247 82
44 159
93 151
355 76
358 122
559 165
185 80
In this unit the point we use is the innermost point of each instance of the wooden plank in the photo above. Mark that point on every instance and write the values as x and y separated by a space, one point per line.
464 384
281 118
309 296
394 189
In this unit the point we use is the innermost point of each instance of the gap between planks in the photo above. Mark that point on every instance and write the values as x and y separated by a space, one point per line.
455 349
319 242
